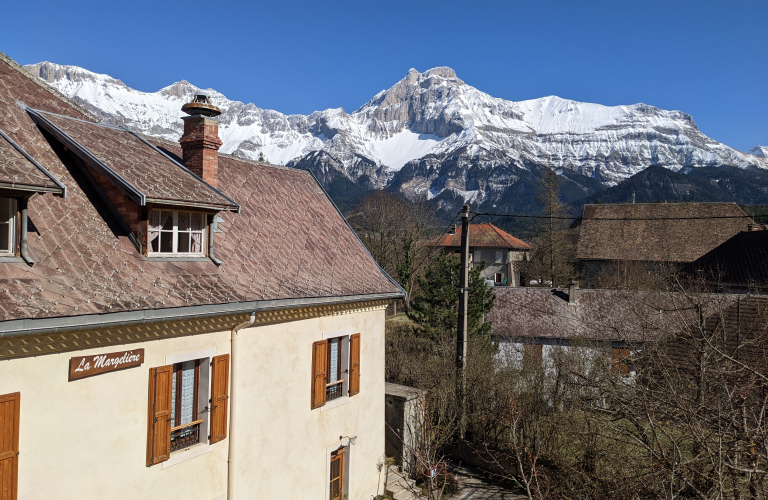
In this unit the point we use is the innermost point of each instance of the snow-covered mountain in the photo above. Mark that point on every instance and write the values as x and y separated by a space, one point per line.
429 134
761 151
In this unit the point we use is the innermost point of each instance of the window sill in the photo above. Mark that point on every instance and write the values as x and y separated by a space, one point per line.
176 258
336 402
192 452
10 259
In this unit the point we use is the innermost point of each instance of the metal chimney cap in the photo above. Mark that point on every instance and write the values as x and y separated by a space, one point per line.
201 105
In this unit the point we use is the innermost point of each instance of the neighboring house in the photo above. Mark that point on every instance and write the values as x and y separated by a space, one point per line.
536 325
738 333
740 265
652 235
502 252
208 332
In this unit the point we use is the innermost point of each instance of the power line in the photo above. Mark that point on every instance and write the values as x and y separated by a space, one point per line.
559 217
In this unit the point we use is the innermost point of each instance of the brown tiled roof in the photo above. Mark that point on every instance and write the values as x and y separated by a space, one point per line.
741 262
738 330
603 315
288 241
660 232
17 171
484 235
150 173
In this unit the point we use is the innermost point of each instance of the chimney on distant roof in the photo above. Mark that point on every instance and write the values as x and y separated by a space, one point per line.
753 227
572 292
453 229
200 143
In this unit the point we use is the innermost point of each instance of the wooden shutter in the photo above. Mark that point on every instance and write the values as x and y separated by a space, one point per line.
159 425
219 395
9 445
319 372
354 364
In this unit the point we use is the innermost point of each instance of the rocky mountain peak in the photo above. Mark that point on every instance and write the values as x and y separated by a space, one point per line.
429 134
51 72
759 151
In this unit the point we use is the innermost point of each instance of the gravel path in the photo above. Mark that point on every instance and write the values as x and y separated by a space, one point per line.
475 485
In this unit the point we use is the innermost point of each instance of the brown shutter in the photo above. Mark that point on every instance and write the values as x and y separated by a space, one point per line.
219 395
319 372
159 425
9 445
354 364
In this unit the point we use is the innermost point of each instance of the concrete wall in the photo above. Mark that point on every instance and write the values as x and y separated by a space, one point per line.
86 439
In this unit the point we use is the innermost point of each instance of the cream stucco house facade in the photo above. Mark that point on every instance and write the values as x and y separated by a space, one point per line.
176 323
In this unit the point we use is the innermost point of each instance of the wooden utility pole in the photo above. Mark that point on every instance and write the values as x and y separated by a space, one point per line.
461 331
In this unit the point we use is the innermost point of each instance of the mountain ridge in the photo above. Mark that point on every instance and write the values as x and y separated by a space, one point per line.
429 135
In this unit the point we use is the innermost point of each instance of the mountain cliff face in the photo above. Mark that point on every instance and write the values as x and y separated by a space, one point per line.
429 135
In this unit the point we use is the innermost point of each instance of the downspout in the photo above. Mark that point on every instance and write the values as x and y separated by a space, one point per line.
232 412
212 229
23 246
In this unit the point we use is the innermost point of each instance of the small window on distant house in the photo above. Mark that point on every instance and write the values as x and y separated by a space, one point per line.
7 226
498 278
177 233
499 257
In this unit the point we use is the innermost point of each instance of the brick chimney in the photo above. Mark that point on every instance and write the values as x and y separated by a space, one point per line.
200 143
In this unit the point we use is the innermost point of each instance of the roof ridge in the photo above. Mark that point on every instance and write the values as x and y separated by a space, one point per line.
45 85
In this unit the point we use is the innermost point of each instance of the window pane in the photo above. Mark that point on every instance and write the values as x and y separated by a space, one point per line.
5 209
7 216
198 222
166 241
187 391
197 242
184 221
166 219
183 241
5 237
333 366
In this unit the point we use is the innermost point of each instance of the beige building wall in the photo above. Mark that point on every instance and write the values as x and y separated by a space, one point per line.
87 438
289 441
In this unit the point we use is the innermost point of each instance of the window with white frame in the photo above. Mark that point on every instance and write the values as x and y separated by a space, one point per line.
7 226
177 233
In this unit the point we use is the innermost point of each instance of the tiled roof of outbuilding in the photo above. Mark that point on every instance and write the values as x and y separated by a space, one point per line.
602 315
659 232
288 242
484 235
742 262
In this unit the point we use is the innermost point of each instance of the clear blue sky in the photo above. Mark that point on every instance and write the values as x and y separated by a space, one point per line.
709 59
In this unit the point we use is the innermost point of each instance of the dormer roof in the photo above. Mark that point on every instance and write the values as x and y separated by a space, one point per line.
20 172
143 172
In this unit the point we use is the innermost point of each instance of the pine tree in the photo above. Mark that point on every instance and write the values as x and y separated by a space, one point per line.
436 309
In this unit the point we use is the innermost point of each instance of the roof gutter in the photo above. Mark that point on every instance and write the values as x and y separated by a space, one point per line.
22 327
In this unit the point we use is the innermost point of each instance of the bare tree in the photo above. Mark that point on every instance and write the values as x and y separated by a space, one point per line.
395 231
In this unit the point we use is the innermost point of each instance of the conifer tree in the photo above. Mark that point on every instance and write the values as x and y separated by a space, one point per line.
436 308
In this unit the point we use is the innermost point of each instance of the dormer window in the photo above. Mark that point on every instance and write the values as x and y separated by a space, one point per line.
7 226
177 233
